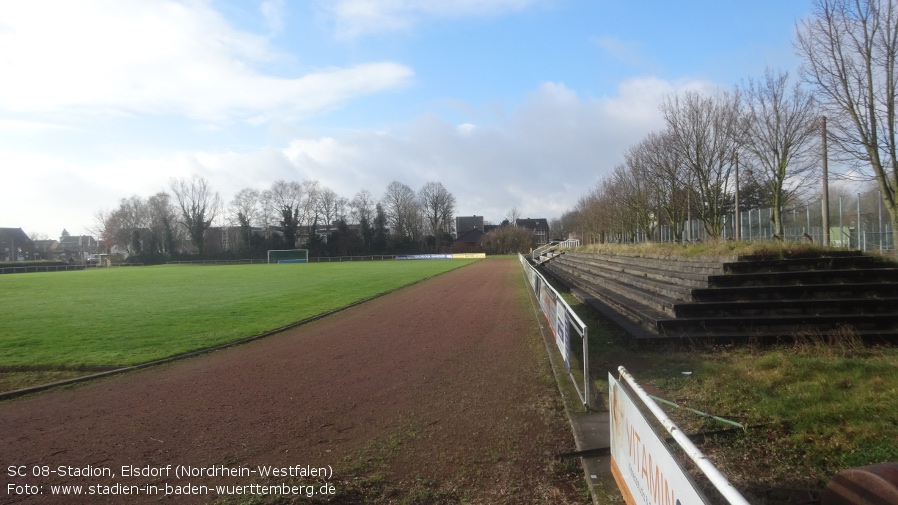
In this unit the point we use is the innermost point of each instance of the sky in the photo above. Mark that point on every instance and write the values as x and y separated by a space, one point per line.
522 104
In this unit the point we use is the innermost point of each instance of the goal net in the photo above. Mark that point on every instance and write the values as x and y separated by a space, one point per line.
288 255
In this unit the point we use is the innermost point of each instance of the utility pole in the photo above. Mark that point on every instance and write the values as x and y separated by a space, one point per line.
825 187
737 233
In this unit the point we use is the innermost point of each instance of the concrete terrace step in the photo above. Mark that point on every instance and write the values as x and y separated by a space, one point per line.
805 277
657 295
781 325
670 283
682 281
758 335
675 297
820 263
639 287
796 292
755 308
679 266
640 314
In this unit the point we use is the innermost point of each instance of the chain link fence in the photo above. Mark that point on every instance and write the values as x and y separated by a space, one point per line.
855 222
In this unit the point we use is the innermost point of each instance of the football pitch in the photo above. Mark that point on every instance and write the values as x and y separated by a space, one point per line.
125 316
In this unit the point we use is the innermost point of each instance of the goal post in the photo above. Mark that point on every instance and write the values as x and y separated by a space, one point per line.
288 255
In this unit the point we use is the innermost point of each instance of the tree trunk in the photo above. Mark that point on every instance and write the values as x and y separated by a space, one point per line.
778 231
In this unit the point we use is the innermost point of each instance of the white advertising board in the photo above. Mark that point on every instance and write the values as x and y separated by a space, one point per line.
645 470
556 316
562 330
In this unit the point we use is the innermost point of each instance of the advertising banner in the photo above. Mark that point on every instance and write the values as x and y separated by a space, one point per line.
440 256
557 317
562 329
424 257
645 470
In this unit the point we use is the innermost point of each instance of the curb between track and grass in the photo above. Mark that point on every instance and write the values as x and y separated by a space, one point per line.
8 395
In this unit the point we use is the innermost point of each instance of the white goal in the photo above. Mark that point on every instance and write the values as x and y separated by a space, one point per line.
288 255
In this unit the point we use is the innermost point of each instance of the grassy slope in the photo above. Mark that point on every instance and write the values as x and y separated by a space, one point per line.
128 316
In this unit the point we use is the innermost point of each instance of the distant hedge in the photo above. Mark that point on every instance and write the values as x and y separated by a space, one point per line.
38 263
18 267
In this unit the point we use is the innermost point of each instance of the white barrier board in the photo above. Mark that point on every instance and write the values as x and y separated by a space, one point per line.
645 470
556 316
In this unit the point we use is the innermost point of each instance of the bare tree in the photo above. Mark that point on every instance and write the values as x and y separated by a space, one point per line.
590 221
309 211
284 200
198 204
780 130
704 133
636 194
513 215
438 207
245 210
400 206
850 53
669 177
331 207
569 226
609 211
245 207
161 220
362 207
508 240
102 228
117 228
362 211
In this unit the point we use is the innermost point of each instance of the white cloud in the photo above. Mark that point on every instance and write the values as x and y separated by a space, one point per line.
355 18
273 11
22 126
542 158
465 128
627 52
161 57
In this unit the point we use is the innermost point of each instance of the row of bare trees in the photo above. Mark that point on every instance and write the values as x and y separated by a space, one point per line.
764 129
760 144
288 214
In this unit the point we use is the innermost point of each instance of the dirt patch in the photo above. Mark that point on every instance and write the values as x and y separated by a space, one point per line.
438 393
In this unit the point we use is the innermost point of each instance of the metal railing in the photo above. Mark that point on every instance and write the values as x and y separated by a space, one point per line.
561 319
720 482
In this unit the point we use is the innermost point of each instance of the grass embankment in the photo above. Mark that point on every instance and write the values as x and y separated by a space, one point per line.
102 318
813 408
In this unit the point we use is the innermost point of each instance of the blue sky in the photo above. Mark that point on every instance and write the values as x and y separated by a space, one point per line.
507 103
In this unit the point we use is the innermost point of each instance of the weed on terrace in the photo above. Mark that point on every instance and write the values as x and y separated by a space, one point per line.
720 248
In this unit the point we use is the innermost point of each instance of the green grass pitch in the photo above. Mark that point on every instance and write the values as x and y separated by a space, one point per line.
126 316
